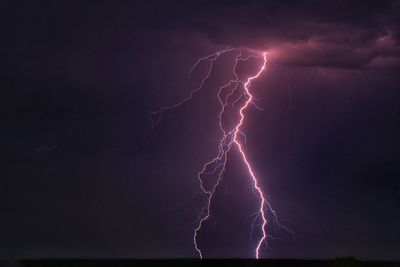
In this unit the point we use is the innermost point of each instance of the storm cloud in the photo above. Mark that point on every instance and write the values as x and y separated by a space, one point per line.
344 34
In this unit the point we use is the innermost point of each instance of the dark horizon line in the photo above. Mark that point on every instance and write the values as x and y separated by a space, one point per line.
347 258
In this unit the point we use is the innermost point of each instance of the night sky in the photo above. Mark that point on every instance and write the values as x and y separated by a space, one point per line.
79 177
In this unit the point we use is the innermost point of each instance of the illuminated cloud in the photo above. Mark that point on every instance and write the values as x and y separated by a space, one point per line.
340 34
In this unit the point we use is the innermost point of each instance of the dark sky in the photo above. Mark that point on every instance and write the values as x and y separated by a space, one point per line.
78 83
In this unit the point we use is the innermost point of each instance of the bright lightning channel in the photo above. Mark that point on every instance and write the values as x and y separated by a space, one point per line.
229 140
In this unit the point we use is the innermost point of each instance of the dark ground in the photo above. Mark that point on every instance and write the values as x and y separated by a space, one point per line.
185 262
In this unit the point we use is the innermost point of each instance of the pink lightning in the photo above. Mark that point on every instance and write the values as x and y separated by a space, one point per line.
229 139
256 185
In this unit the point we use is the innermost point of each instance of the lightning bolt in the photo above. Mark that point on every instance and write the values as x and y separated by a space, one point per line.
231 137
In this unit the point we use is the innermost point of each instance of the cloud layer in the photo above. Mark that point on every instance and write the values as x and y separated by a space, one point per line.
347 34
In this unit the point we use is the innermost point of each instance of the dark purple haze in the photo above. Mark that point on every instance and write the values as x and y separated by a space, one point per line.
78 82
